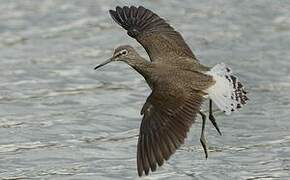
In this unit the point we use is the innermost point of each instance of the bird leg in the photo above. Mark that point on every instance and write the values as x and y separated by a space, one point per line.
212 118
202 138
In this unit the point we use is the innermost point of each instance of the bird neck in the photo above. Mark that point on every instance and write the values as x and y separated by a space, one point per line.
141 65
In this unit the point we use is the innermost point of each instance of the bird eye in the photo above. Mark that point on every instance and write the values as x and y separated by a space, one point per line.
124 52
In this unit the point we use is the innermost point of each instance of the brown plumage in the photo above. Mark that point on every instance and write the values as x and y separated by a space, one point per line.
147 27
177 79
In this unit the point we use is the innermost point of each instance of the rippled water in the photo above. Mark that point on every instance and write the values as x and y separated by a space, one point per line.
60 119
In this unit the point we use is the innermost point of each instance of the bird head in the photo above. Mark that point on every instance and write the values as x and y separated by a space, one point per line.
122 53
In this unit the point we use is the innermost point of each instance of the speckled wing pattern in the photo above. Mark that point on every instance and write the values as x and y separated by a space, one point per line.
166 121
160 40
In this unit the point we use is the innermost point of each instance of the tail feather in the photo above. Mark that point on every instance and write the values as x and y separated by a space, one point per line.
227 93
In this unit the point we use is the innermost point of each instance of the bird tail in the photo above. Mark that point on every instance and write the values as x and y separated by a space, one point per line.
227 93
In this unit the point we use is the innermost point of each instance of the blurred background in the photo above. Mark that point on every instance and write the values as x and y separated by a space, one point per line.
60 119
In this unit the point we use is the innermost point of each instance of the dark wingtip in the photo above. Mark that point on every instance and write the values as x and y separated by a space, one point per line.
140 173
137 19
141 7
111 12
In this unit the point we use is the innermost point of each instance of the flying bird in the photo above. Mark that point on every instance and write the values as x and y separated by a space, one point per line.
179 84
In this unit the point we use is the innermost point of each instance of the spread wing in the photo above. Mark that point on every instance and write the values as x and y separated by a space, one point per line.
166 121
160 40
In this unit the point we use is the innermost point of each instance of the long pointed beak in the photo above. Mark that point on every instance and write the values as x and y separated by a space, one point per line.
104 63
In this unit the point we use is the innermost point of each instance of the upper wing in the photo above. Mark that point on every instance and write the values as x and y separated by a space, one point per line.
166 121
159 39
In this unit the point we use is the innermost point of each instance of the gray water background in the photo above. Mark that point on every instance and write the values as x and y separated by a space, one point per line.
60 119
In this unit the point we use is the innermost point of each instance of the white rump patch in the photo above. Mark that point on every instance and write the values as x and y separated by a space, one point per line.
227 93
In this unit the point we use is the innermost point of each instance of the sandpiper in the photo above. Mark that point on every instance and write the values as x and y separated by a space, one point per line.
179 84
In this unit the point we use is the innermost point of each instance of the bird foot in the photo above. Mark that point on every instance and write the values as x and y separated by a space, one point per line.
213 121
202 138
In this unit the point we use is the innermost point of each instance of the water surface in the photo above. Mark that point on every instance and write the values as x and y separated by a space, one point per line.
60 119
